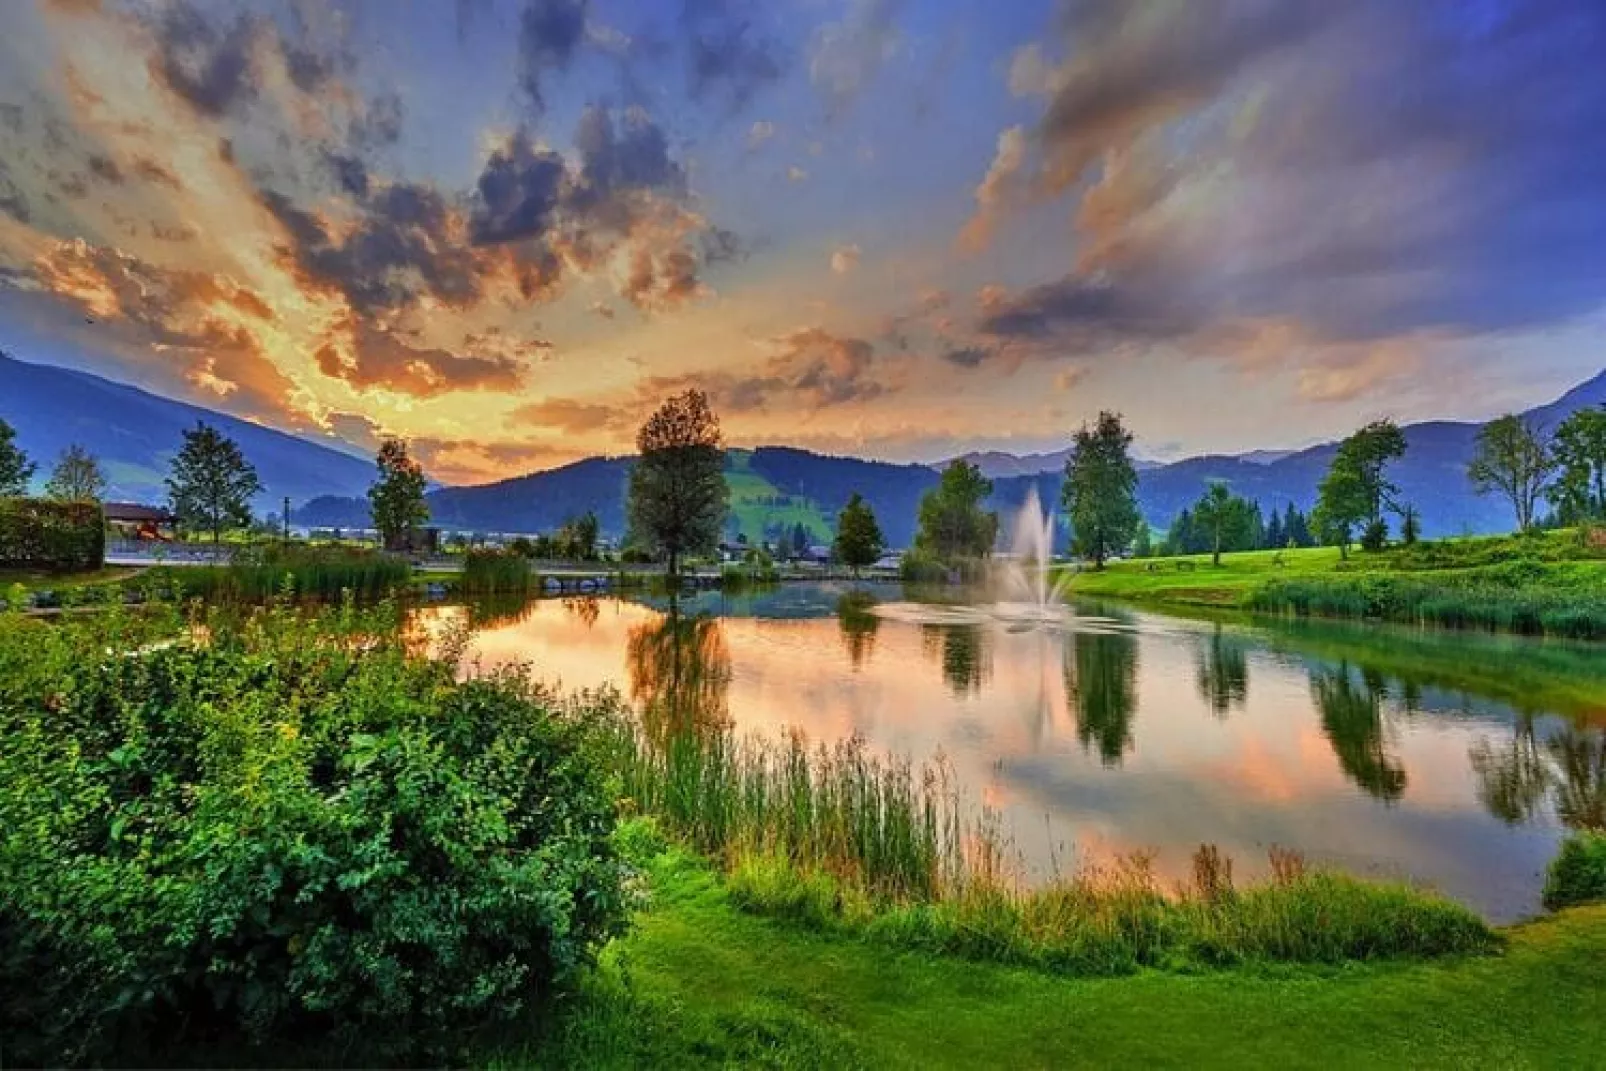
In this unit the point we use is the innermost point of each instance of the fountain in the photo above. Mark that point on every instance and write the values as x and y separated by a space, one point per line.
1023 579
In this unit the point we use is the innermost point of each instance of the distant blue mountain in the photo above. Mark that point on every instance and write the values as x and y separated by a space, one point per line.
135 434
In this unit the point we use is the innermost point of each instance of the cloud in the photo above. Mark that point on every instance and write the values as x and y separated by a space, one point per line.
573 417
1068 379
846 56
727 59
967 356
519 191
760 132
796 174
550 33
844 259
211 67
810 368
370 357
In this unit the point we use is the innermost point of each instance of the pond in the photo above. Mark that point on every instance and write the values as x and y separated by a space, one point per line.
1455 760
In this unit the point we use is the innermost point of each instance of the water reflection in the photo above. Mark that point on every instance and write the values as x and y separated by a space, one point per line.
1565 769
1101 680
858 625
1352 717
1223 673
964 653
680 674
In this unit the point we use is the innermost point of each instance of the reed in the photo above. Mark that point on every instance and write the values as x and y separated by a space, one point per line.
258 574
495 572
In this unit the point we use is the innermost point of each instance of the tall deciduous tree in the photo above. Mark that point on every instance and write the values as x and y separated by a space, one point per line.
1223 516
1101 489
15 468
1513 460
76 477
1580 453
678 496
396 498
953 526
858 537
1356 489
210 483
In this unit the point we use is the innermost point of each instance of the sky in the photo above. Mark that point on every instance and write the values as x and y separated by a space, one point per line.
507 229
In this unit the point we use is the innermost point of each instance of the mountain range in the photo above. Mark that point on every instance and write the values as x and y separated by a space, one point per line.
135 433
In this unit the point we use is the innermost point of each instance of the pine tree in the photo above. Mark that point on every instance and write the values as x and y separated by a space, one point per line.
1100 490
210 483
858 537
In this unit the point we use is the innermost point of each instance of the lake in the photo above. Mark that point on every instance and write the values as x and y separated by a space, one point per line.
1456 760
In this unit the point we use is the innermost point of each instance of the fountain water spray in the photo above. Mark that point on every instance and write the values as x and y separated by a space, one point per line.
1024 580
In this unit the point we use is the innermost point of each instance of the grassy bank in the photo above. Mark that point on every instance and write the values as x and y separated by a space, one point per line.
702 983
1538 584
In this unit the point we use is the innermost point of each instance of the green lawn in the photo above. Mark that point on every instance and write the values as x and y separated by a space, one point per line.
39 580
701 984
1193 580
752 498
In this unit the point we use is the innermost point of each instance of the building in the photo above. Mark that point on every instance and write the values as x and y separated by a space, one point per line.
130 520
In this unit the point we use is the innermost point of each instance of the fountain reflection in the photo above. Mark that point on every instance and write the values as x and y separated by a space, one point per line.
1352 718
1223 672
1101 680
680 674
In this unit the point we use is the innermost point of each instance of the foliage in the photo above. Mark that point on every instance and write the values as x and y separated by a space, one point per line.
1143 545
42 534
76 478
496 572
1375 536
15 468
858 537
294 828
1579 450
258 573
1410 525
1356 489
210 483
1224 517
1513 459
953 526
396 499
1101 488
1578 873
678 494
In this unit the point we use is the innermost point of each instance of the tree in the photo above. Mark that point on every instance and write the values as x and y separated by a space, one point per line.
1143 545
15 468
1356 490
1223 516
800 540
677 486
76 477
210 484
587 529
858 537
1580 453
396 499
1513 459
1296 528
1276 536
952 523
1101 489
1410 525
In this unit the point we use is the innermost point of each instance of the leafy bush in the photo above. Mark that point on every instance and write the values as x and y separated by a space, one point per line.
296 827
1578 873
39 534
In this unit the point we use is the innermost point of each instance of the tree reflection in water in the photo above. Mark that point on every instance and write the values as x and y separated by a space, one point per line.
858 625
964 653
583 608
680 674
1101 679
1352 718
1223 672
1567 768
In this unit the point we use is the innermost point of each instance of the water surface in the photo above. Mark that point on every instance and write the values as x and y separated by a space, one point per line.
1455 760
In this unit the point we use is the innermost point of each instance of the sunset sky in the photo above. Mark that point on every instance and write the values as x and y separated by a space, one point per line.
507 228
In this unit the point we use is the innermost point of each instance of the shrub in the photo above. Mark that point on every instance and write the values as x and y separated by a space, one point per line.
39 534
258 573
1578 873
298 827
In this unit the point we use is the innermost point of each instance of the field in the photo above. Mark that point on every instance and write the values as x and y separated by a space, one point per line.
756 503
700 983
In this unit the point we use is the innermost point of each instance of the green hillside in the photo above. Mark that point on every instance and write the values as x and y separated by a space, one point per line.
760 510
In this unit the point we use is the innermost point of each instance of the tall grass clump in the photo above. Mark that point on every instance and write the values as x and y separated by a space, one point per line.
1578 873
1525 596
268 825
259 573
496 572
837 839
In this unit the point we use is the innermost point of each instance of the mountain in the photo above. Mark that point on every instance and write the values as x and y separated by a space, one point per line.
135 434
996 464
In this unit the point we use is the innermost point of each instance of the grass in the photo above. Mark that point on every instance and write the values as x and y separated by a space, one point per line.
702 983
39 580
317 572
841 841
495 572
1545 584
757 504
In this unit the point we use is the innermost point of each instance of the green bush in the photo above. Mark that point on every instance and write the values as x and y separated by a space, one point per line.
39 534
496 572
258 573
1578 873
297 828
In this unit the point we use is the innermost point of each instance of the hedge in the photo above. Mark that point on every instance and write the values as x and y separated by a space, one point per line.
40 534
